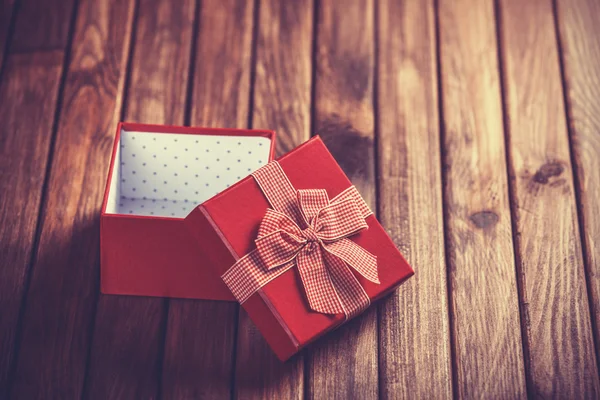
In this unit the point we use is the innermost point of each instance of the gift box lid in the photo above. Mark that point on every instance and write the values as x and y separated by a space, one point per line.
229 223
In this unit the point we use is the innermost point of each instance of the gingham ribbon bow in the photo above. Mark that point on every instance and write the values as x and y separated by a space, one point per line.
307 230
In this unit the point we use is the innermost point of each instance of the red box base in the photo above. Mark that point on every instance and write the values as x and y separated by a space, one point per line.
148 255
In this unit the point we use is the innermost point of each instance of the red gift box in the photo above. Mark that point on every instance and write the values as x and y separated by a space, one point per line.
157 175
229 224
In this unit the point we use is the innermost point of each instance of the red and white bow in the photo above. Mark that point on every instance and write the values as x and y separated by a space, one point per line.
307 230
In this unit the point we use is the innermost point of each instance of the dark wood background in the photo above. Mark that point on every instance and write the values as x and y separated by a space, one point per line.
471 126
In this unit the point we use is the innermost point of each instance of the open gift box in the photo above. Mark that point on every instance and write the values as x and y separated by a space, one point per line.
158 174
300 261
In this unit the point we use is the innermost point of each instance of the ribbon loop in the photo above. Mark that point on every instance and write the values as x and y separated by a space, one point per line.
339 220
311 201
279 239
275 221
307 230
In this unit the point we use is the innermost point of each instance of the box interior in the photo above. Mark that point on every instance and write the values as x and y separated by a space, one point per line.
169 174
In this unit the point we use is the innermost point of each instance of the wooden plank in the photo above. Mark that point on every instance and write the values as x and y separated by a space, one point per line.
414 331
580 42
127 347
558 334
344 364
28 96
61 301
486 336
6 18
161 62
221 91
283 71
199 348
42 25
282 91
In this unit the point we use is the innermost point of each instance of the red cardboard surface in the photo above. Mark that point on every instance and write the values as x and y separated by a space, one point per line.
157 256
280 310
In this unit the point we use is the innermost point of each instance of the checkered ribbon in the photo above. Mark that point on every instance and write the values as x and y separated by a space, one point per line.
307 230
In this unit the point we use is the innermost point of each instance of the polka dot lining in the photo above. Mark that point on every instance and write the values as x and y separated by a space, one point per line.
167 175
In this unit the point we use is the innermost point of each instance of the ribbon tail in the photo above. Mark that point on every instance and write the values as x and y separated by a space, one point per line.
248 275
320 291
355 256
352 295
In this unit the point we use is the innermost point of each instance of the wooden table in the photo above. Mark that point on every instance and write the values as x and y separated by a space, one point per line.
471 126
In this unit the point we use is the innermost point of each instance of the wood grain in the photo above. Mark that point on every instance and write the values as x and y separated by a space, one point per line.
42 25
160 64
580 43
414 332
499 310
484 298
344 364
200 341
6 16
283 68
61 301
127 347
282 92
558 333
221 92
29 87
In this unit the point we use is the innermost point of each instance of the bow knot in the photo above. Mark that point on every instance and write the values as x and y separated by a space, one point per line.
310 235
307 230
321 250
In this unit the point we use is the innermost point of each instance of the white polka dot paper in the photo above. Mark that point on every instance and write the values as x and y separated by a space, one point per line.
169 174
